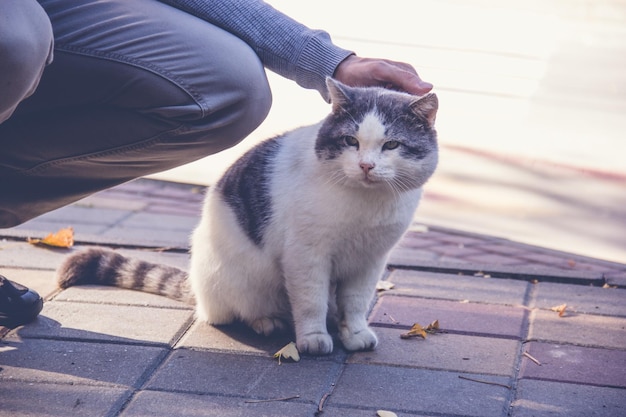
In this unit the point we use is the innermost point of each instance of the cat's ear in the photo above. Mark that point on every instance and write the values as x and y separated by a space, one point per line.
337 92
426 107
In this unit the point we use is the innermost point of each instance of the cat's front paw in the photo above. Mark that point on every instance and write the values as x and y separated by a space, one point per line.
315 344
363 339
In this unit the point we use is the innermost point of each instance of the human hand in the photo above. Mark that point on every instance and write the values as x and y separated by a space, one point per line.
368 72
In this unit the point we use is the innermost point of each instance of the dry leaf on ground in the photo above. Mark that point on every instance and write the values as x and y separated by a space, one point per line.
385 413
418 331
289 351
64 238
560 309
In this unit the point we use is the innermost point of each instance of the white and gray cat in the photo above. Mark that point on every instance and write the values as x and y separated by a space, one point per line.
298 230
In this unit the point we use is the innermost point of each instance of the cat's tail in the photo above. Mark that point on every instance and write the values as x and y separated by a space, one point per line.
106 267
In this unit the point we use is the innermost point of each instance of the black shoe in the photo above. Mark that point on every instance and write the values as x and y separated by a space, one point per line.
18 304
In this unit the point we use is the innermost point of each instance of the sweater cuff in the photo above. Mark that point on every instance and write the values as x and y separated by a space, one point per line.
319 59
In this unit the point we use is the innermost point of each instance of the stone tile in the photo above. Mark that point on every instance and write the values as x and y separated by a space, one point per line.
583 365
25 255
205 372
113 323
73 215
113 295
22 399
548 399
581 299
408 257
143 220
41 281
167 404
64 362
418 391
458 287
616 278
177 260
466 318
353 412
582 329
151 236
456 250
38 227
110 201
236 338
493 259
442 352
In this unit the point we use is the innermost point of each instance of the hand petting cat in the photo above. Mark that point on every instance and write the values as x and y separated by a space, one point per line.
356 71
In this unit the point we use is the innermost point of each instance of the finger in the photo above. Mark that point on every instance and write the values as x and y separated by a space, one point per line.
402 78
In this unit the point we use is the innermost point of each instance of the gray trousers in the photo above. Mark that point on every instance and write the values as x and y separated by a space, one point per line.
135 87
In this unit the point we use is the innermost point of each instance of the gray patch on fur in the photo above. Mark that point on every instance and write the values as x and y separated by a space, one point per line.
401 123
245 188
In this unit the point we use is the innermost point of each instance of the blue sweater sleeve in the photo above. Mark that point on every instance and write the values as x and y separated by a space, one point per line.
285 46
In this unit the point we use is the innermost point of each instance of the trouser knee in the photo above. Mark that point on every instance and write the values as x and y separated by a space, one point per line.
25 48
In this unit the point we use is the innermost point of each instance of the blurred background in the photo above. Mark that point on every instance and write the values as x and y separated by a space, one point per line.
532 118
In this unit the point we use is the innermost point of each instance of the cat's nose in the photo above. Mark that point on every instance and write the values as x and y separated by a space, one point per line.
367 167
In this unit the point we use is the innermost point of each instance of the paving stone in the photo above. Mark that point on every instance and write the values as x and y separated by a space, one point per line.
418 391
442 352
232 338
548 399
494 259
167 404
177 260
466 318
160 221
74 214
582 329
38 228
63 362
353 412
458 287
616 278
405 256
583 365
152 236
23 399
581 299
24 255
205 372
113 295
113 323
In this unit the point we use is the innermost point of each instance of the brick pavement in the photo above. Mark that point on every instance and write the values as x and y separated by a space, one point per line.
98 351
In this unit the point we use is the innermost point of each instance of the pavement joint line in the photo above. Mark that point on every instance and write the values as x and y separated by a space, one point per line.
127 342
501 271
454 332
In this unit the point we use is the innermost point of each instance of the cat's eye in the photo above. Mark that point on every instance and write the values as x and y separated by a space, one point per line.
351 141
392 144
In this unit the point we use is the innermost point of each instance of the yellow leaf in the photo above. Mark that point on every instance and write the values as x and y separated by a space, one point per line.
432 327
415 331
64 238
290 351
384 413
560 309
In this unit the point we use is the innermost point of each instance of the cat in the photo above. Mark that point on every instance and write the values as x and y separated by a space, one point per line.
298 230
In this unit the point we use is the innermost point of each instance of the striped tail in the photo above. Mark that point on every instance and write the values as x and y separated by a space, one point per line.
106 267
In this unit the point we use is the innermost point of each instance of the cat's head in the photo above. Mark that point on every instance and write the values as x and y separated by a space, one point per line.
378 138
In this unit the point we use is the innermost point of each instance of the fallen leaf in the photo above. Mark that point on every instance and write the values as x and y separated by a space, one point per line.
64 238
415 331
560 309
384 285
290 351
607 285
432 327
384 413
